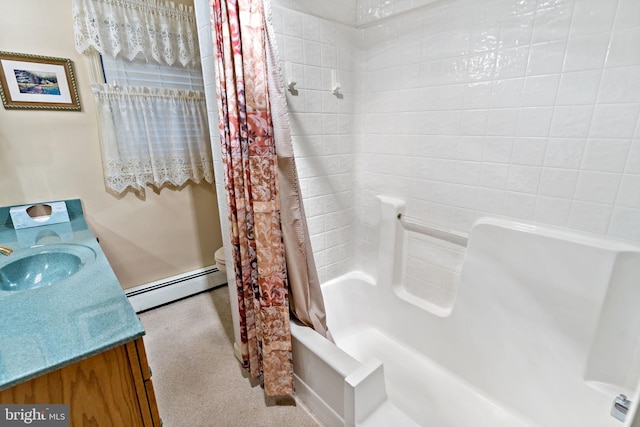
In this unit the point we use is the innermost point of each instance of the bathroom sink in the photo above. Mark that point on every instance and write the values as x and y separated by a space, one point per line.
43 265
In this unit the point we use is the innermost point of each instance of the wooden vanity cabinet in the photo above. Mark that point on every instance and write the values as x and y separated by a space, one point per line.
112 388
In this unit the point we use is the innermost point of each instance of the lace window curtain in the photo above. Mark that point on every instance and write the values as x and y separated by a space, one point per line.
149 142
149 135
150 29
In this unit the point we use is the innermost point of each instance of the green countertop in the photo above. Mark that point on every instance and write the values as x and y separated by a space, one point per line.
46 328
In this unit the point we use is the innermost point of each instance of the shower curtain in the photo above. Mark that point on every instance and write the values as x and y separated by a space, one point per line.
264 268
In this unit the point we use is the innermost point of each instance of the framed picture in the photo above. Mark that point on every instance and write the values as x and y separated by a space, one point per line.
37 82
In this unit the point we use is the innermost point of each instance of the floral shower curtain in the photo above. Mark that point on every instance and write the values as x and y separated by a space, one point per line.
253 196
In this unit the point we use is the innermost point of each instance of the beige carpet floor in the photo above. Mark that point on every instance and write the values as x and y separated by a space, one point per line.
197 379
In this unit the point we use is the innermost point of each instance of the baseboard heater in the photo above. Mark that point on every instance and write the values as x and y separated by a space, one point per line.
164 291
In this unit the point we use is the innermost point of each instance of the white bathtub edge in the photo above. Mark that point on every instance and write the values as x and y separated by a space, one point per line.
338 389
324 349
355 274
364 392
318 407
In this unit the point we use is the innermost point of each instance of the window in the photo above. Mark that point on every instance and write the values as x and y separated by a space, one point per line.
151 105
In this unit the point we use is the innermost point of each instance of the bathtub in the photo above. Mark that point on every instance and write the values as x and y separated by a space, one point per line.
543 330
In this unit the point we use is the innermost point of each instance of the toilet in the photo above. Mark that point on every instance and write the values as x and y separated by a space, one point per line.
220 262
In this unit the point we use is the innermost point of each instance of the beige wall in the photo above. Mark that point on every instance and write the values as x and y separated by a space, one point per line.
52 155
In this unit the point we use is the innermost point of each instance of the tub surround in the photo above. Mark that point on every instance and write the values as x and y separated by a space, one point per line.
543 331
47 328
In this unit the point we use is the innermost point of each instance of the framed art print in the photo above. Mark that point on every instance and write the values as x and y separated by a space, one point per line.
37 82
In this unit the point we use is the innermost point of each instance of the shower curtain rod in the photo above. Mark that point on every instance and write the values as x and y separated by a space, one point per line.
446 235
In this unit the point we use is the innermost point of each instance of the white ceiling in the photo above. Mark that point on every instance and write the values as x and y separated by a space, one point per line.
343 11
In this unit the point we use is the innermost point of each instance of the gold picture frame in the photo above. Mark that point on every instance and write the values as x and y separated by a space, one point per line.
35 82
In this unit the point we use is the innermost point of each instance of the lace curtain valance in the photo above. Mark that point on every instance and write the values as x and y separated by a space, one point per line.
148 29
152 136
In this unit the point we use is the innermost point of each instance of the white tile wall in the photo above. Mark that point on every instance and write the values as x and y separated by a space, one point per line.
519 108
371 11
527 109
335 10
433 270
559 112
311 50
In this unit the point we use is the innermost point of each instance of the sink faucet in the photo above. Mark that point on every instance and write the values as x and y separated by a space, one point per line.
5 250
